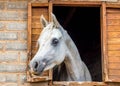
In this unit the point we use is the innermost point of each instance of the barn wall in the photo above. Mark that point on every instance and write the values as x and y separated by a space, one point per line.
13 42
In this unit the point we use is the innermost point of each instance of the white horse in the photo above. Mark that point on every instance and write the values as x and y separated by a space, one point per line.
55 47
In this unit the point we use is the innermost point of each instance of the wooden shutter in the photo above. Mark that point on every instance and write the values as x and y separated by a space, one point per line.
34 30
111 43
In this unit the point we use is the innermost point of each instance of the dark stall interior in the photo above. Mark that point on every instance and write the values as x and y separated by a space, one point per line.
83 25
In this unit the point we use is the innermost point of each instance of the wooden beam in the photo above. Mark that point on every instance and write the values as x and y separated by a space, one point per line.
104 42
50 9
29 32
49 15
29 39
74 83
77 4
39 4
112 5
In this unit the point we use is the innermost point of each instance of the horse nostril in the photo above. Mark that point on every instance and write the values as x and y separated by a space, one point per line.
36 65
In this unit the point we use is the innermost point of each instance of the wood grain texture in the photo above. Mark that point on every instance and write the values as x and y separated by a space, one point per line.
114 47
104 42
113 41
35 28
113 28
113 35
74 83
115 59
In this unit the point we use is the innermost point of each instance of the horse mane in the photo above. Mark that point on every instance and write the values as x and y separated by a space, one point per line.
58 72
61 71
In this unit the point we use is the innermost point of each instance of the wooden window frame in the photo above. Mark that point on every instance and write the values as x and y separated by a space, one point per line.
106 71
29 40
102 6
104 56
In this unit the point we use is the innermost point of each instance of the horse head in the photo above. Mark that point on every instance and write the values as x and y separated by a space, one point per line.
52 47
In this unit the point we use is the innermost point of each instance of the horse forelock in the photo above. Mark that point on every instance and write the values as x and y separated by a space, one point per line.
50 31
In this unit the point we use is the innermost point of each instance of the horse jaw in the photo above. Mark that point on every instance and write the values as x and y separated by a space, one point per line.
48 67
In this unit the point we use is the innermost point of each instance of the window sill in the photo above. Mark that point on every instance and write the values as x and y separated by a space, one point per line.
75 83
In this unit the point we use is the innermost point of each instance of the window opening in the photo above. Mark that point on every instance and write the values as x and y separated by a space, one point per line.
83 25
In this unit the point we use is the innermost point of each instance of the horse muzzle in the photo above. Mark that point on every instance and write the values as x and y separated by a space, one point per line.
38 67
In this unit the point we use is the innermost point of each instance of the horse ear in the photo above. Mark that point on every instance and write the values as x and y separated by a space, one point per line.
43 21
54 20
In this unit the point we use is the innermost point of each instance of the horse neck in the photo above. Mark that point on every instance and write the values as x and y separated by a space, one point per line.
73 60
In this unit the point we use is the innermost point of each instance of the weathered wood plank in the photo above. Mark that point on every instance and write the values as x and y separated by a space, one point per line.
113 6
36 19
114 47
35 45
36 25
29 33
74 83
113 53
113 35
77 4
104 41
36 31
114 72
114 78
38 79
45 73
42 4
39 11
114 15
37 84
35 37
50 18
113 28
114 41
114 59
113 10
113 22
114 66
33 52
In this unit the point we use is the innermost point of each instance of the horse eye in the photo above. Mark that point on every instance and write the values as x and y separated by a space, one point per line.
55 41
